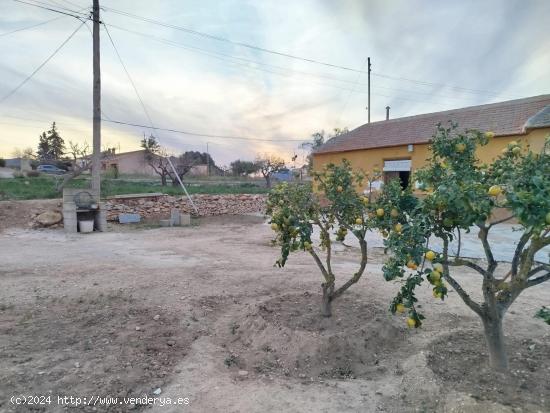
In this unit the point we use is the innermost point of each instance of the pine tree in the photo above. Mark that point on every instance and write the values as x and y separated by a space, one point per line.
57 144
51 145
43 152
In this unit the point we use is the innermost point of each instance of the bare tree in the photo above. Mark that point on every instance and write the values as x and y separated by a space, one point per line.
183 164
26 153
157 158
268 164
81 161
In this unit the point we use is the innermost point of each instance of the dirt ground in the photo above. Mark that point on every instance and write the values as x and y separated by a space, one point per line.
19 214
201 314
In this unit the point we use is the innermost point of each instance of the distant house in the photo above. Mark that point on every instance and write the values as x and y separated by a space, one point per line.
399 146
135 163
128 163
20 164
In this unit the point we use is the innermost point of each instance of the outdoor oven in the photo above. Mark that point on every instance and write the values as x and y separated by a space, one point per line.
83 211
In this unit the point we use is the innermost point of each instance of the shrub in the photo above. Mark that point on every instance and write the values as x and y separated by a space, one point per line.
2 163
461 196
544 314
33 174
334 209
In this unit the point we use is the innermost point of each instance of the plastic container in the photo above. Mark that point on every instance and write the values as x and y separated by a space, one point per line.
86 226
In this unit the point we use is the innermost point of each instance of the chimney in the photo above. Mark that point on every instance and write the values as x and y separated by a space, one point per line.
387 113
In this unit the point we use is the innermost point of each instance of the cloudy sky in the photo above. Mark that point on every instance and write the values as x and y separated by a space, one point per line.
426 56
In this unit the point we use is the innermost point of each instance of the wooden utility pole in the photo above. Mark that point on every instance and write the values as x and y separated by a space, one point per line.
368 103
96 156
207 160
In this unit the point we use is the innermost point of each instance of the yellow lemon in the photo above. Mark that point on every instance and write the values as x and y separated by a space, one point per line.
435 276
412 265
380 212
411 322
400 308
430 255
495 190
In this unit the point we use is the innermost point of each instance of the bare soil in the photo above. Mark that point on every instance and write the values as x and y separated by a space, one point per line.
200 312
19 214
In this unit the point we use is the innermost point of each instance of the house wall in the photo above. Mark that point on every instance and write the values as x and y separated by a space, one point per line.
368 159
130 163
200 170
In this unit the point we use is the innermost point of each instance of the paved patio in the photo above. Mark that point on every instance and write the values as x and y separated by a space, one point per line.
503 239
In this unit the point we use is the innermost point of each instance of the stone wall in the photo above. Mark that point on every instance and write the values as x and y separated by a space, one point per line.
160 206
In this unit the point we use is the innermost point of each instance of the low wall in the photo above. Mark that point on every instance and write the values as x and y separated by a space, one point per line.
160 206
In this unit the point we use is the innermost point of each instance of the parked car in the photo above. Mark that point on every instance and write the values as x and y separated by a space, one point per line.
50 169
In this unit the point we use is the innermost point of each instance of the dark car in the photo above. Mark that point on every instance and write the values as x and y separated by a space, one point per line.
50 169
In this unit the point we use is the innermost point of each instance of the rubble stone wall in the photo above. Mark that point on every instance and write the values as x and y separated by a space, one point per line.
207 205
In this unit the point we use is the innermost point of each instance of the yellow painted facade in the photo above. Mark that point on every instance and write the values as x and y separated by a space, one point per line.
368 159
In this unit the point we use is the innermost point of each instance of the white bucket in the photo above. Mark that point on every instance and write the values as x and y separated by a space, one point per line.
86 226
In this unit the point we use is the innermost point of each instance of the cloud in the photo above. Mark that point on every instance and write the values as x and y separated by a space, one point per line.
475 46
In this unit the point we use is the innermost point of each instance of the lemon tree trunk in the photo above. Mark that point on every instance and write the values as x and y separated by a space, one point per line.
494 337
326 303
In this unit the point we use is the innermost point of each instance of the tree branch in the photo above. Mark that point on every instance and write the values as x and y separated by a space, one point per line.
538 280
492 264
540 268
475 307
320 265
461 262
355 276
517 253
500 221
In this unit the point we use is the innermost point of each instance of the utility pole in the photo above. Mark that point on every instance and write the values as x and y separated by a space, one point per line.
368 107
207 160
96 156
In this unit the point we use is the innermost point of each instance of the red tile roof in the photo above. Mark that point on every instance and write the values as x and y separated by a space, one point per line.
503 118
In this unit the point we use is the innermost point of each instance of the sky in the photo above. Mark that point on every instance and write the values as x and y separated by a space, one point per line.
426 56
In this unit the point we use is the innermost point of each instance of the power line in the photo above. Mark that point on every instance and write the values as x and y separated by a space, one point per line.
223 39
54 3
31 27
130 78
53 10
152 126
421 82
41 65
62 6
204 135
351 91
72 3
228 58
278 53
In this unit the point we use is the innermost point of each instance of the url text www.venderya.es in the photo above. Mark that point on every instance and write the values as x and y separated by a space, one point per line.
76 401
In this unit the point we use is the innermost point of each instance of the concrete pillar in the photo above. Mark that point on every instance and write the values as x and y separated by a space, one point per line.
175 218
69 217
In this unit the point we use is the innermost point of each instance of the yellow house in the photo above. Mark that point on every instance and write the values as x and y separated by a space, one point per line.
399 146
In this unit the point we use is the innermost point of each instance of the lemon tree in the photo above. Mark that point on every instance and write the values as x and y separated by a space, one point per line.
335 210
461 195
